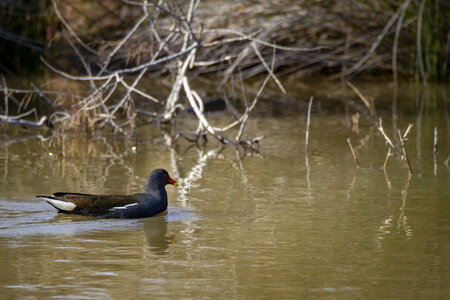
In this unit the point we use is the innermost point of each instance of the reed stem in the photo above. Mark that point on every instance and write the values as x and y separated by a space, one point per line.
355 158
308 122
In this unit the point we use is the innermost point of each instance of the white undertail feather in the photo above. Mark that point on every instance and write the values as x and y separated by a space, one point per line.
62 205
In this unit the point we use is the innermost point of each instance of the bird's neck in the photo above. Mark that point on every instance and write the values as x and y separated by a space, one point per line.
151 188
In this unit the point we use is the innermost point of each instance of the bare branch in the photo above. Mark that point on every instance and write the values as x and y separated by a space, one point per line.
39 123
255 48
122 42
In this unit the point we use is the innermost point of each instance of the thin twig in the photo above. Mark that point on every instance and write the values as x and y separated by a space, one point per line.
361 96
355 158
58 14
378 40
195 107
270 71
388 182
6 117
407 131
127 95
47 99
307 124
435 141
122 71
6 93
405 155
175 92
381 129
122 42
401 151
435 148
259 41
39 123
419 42
396 37
247 110
388 155
87 68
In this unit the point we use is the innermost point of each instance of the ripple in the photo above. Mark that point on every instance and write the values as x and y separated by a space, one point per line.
21 219
175 214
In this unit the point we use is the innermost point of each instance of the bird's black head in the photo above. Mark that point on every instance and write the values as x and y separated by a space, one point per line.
157 179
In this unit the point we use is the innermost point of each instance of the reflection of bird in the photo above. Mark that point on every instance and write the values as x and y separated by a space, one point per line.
155 233
153 201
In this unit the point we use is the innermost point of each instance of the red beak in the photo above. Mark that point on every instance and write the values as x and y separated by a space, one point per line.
172 182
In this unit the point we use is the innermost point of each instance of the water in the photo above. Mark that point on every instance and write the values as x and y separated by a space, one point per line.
280 225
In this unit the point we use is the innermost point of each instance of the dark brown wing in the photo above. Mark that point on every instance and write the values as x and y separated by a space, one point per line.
95 204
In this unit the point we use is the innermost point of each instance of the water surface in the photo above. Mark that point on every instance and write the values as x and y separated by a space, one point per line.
283 224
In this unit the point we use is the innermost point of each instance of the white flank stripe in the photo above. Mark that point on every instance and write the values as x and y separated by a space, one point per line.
62 205
125 207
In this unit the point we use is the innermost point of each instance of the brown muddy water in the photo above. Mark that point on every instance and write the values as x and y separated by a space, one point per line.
282 225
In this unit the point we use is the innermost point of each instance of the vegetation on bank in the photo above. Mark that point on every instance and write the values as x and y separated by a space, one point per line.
334 37
116 52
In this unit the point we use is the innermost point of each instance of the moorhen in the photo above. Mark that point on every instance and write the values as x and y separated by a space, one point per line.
152 202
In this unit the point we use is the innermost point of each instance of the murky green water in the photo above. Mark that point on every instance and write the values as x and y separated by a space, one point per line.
281 225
